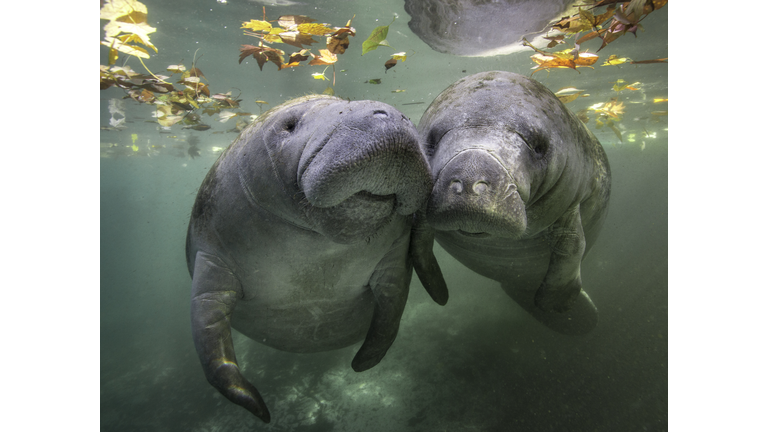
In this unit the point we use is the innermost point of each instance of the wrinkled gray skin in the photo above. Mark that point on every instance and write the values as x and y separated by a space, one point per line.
520 193
480 28
299 236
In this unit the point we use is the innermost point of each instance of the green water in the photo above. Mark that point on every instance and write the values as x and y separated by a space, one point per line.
479 363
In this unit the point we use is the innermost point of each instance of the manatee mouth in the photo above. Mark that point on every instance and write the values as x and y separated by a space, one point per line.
473 235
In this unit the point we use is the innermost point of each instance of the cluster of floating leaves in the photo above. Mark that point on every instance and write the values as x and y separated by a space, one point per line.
609 113
126 29
174 105
298 31
619 18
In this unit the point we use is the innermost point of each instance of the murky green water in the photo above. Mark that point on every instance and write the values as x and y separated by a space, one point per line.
479 363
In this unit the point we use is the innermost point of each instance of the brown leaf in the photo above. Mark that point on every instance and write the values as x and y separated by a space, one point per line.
295 59
337 45
297 39
262 55
325 58
389 64
143 95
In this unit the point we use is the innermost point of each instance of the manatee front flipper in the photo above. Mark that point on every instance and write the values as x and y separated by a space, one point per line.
560 302
214 293
579 320
562 282
424 261
389 283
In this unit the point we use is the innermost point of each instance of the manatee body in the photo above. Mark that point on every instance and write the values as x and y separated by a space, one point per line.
521 190
299 234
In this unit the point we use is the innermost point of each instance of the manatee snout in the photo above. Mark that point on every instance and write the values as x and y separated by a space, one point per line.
475 194
372 150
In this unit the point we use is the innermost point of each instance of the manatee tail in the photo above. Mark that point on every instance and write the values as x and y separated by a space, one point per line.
214 293
580 319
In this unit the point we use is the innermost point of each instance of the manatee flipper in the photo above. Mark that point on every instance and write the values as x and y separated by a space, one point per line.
214 293
562 283
424 261
579 320
389 283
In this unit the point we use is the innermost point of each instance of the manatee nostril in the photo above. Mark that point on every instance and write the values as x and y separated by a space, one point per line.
480 187
456 186
380 114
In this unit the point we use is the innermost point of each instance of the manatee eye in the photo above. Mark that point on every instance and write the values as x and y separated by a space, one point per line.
290 125
433 138
538 144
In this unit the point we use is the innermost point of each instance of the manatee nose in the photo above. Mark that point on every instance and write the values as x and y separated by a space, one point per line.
380 114
475 187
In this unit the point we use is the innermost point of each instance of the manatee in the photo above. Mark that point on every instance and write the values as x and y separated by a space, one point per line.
481 28
521 190
299 236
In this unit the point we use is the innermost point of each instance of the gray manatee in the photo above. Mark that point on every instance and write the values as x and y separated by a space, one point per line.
521 190
299 236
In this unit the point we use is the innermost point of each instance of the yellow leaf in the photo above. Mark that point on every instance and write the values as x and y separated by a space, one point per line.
141 30
136 38
319 76
112 56
399 56
257 25
272 38
115 9
135 148
314 29
613 60
127 49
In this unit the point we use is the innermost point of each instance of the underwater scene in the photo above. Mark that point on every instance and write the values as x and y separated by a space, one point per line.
179 83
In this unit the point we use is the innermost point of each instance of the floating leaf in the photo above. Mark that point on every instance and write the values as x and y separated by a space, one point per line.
296 58
117 45
319 76
399 56
614 60
130 10
262 55
295 38
373 81
314 29
620 85
176 68
551 61
289 21
257 25
571 97
377 38
389 64
325 58
329 91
